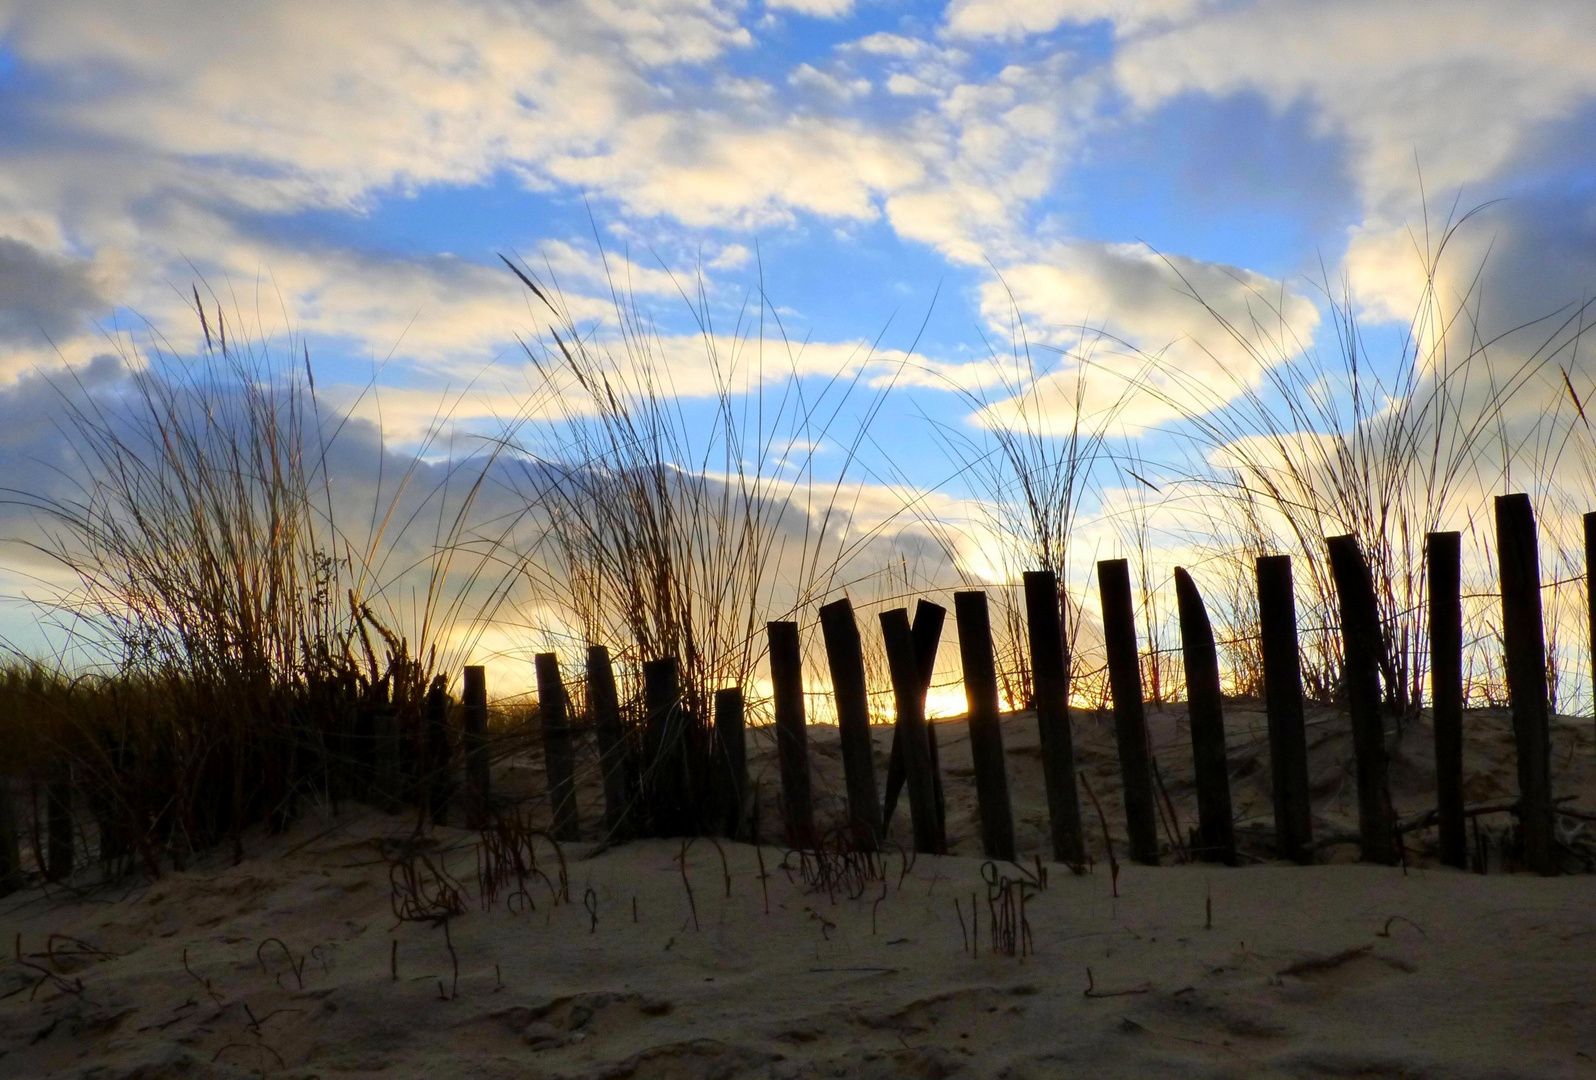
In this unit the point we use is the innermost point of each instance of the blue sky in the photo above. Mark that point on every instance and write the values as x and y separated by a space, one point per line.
351 170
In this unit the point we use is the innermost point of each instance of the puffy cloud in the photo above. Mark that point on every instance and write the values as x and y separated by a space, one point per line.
1016 18
1454 88
45 296
820 9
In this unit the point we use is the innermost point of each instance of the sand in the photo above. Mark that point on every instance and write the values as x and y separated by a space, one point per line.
294 964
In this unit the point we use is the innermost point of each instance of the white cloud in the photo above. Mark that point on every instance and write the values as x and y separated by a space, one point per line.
1016 18
820 9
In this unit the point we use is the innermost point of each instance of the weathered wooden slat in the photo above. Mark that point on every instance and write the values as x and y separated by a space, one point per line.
1130 721
1360 645
1216 827
478 795
985 723
845 658
792 733
909 697
1288 736
559 762
1050 668
670 811
1524 641
731 741
605 702
438 771
1444 555
927 634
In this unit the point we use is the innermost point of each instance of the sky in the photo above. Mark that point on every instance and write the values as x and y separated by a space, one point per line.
922 175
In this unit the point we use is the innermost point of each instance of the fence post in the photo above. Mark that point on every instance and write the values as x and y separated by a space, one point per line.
1523 638
478 797
1205 710
845 658
1288 736
1130 722
926 633
1360 646
439 761
606 705
10 846
558 766
909 698
986 724
1444 553
731 737
792 732
665 750
58 818
1590 594
1050 668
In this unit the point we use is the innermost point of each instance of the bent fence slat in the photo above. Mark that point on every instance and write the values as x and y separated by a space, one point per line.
845 658
559 767
1360 642
1130 722
792 733
1288 737
985 722
911 730
926 633
1524 641
1050 667
605 702
1443 552
1205 712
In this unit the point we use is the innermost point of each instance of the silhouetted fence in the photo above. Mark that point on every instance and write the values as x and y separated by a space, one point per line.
671 774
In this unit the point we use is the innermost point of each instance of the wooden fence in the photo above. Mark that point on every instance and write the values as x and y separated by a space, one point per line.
681 776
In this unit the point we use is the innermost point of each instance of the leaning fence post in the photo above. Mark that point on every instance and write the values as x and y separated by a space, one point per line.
1205 711
926 634
10 846
731 737
1360 646
1444 553
792 732
909 698
1288 736
58 818
845 657
1523 639
606 705
1050 670
1130 722
986 724
475 700
558 766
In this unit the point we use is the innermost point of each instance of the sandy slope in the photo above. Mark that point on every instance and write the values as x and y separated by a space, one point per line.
1304 971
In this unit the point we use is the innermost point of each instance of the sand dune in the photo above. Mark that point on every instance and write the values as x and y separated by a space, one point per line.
294 964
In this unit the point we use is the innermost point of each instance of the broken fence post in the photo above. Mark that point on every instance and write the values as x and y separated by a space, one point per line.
1205 711
911 730
792 732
